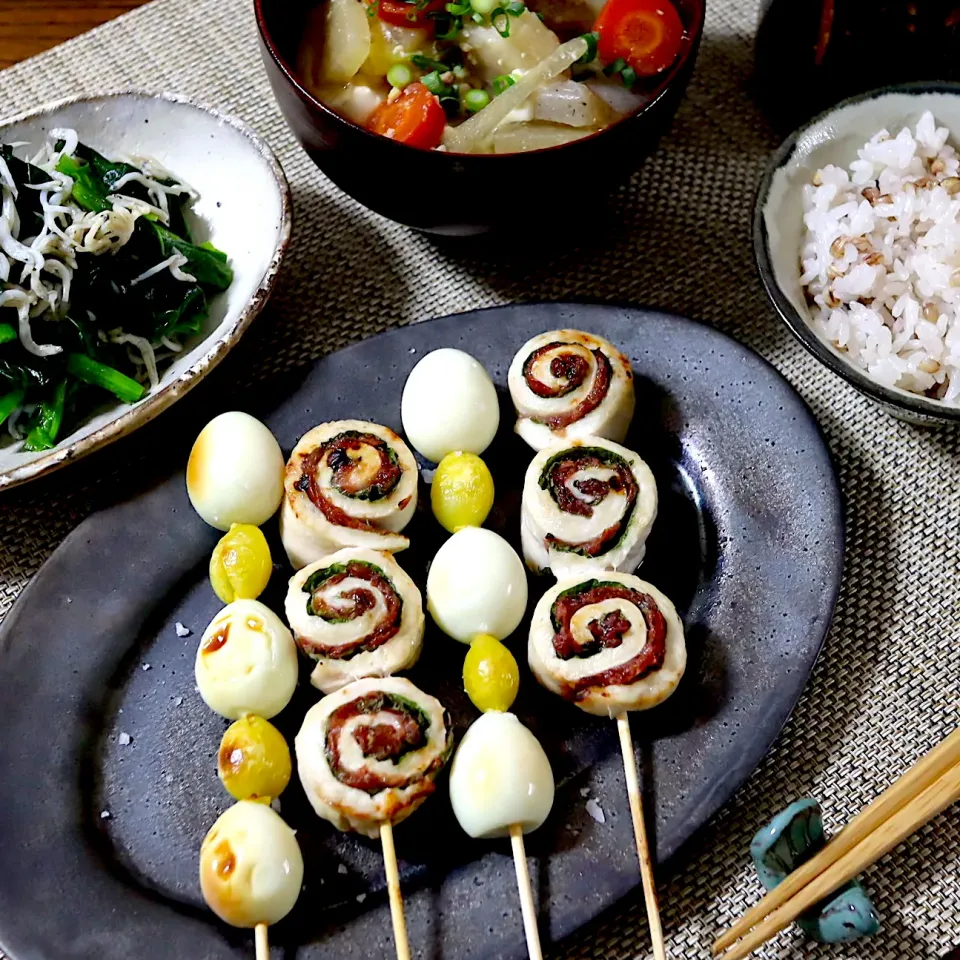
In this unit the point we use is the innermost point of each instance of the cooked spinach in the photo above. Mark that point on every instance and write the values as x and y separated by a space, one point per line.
109 292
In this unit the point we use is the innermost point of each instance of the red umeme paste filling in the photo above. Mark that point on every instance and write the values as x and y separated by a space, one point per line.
572 368
607 632
357 601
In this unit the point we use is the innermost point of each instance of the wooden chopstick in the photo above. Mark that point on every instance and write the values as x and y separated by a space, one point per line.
926 771
907 820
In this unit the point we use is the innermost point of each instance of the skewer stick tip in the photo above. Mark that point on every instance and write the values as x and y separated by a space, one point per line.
640 836
394 893
525 888
262 941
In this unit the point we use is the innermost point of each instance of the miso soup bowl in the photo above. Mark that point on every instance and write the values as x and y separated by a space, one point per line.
466 194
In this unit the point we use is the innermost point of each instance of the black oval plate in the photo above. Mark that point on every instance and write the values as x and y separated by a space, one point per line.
99 840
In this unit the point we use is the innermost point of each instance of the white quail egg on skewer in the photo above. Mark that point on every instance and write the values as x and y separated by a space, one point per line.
235 471
500 777
477 584
449 404
246 662
251 868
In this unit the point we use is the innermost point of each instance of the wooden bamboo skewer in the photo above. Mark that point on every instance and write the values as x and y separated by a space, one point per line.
924 772
262 941
526 893
872 846
393 892
640 835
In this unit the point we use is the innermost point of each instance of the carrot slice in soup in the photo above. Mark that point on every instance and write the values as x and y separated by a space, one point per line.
415 118
647 34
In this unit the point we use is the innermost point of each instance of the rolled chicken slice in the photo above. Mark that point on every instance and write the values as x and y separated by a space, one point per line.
357 614
587 506
348 483
567 384
370 753
609 644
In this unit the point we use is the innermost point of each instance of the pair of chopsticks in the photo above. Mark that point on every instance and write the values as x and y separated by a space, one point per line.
930 786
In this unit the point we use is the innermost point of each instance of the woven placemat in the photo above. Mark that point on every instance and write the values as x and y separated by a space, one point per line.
885 688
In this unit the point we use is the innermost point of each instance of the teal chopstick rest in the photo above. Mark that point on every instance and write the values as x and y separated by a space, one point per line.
790 839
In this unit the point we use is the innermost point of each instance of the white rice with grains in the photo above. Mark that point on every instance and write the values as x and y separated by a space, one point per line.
881 259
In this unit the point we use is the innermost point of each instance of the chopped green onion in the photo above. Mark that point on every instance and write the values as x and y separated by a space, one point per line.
627 74
484 7
433 83
9 402
100 375
427 63
43 436
399 76
591 54
7 333
372 9
446 94
458 9
500 22
475 100
515 8
501 83
477 18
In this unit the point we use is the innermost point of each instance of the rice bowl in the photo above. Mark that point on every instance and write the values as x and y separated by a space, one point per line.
881 260
837 329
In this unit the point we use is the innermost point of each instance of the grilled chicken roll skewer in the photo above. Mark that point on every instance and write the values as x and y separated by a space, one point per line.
588 505
607 643
348 483
357 614
567 384
368 756
369 753
612 644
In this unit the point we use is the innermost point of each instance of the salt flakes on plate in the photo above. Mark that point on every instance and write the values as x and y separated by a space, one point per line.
595 811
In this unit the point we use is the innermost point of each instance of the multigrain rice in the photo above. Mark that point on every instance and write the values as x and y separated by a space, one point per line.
881 259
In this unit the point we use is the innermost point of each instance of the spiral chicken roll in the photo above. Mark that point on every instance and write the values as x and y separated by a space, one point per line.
370 753
357 614
586 506
348 483
567 384
609 644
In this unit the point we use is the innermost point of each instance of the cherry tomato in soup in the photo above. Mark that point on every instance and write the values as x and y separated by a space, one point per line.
415 118
403 14
647 34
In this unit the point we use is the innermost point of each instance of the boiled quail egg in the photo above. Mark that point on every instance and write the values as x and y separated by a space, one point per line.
246 662
500 776
235 471
449 403
477 584
251 868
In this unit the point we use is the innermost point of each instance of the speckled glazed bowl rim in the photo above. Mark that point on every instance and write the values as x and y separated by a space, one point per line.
911 405
691 44
217 345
